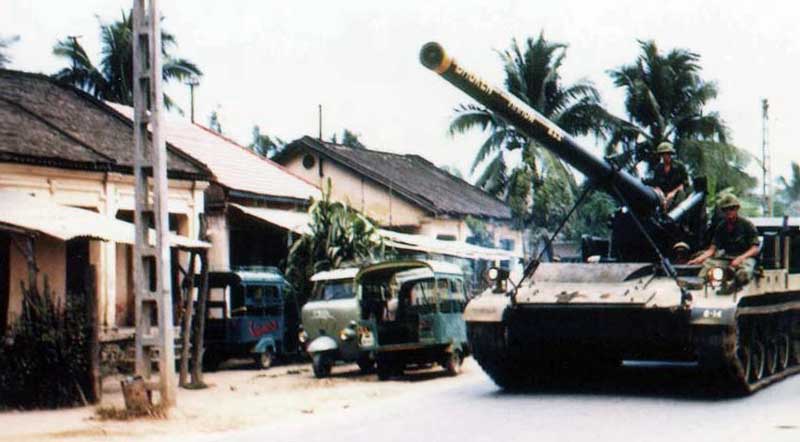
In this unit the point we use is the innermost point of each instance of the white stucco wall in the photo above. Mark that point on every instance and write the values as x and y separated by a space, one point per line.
376 201
106 193
389 209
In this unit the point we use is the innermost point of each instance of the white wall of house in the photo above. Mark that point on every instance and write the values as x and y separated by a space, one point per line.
387 208
107 194
374 200
219 258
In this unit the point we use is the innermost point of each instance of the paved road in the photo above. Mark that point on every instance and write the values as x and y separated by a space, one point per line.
636 404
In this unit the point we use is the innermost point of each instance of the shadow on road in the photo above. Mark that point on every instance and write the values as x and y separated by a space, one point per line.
411 375
664 381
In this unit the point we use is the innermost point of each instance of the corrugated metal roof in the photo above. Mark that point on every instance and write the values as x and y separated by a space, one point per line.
63 222
234 166
327 275
293 221
461 249
298 222
413 269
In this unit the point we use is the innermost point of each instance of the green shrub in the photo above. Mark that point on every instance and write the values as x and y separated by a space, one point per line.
44 361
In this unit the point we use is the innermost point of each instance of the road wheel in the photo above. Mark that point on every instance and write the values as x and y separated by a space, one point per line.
452 362
366 363
743 354
321 364
794 339
770 355
784 351
264 359
757 360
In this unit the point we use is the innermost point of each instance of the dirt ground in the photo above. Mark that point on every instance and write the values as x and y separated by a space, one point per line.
238 397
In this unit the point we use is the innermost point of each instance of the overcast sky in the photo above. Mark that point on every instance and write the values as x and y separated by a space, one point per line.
271 63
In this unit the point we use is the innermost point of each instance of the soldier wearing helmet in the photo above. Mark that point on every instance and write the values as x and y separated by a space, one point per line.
669 176
735 243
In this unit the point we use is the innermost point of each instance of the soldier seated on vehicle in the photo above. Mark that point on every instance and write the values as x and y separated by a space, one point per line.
735 243
669 176
680 253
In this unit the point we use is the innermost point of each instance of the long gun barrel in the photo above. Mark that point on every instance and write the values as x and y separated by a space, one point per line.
640 198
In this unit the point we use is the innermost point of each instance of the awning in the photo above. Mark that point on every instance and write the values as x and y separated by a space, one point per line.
298 222
461 249
293 221
23 211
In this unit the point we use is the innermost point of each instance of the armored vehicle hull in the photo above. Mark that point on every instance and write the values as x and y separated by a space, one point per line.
744 340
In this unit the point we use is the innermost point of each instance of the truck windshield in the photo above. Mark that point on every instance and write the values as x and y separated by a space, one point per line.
331 290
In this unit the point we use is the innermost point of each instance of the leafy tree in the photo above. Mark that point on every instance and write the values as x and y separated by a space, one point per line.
5 43
789 194
532 75
349 138
665 100
264 145
213 122
481 236
338 236
113 79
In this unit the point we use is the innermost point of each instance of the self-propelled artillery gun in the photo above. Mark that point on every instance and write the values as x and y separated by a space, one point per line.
631 302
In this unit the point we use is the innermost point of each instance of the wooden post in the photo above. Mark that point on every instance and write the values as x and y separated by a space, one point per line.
186 324
200 322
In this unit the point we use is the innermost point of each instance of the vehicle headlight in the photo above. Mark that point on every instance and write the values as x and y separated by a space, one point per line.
348 333
716 276
302 336
495 274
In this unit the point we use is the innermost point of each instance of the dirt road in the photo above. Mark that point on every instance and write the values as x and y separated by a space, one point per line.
239 397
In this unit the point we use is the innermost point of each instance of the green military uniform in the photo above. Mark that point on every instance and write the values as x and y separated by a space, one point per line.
668 181
731 241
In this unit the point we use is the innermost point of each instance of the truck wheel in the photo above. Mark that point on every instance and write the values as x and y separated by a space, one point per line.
385 371
452 362
365 363
211 362
263 359
321 364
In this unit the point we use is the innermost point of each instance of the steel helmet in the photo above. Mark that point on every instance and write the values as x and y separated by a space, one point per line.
665 147
680 246
728 201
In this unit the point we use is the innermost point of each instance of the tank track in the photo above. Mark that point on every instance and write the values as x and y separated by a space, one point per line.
759 350
506 365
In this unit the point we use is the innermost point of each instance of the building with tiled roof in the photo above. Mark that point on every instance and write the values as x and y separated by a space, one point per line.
402 192
71 155
249 199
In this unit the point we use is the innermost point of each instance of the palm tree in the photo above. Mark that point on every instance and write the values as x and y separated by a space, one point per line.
113 80
5 42
265 145
790 191
532 75
665 100
338 235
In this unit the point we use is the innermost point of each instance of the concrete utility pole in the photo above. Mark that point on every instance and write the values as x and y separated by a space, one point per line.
151 263
766 159
193 81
